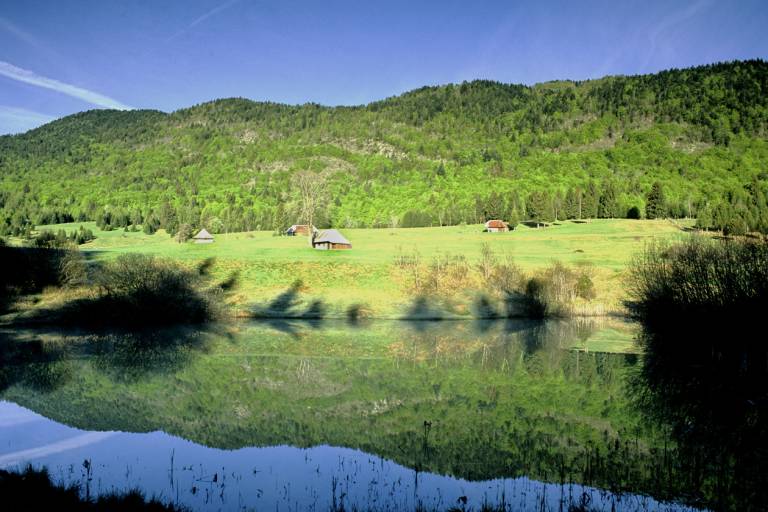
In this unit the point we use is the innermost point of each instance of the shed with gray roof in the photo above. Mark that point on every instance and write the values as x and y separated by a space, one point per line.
329 239
203 237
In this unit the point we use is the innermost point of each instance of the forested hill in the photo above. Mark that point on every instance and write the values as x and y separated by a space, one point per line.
690 142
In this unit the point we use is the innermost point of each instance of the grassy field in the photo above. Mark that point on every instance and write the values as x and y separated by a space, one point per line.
268 265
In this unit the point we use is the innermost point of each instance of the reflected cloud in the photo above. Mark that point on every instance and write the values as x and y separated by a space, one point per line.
73 443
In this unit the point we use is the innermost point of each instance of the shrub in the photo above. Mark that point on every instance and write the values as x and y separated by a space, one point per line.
700 278
560 284
82 236
457 271
633 213
416 219
184 233
585 288
72 268
46 239
704 373
29 269
552 293
487 263
506 276
143 289
535 295
735 226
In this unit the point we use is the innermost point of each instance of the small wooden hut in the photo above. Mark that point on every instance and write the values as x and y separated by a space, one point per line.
330 239
299 229
496 226
203 237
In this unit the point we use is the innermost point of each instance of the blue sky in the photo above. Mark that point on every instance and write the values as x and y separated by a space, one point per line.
61 57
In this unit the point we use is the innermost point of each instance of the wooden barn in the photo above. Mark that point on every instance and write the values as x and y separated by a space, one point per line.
496 226
330 239
203 237
299 229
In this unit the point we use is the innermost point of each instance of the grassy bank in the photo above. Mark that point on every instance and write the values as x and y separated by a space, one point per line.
367 280
33 489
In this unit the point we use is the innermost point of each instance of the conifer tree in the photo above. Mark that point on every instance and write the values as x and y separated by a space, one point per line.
608 203
656 205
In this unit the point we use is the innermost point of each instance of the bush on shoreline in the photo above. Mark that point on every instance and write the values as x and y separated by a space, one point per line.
134 291
144 290
699 279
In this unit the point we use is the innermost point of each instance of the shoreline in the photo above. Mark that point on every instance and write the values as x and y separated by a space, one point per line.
242 317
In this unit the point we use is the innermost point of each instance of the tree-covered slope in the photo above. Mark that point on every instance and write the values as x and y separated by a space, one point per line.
435 155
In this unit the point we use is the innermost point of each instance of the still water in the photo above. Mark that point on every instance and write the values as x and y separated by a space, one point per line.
325 416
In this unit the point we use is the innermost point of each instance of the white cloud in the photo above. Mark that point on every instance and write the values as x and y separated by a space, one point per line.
30 77
18 120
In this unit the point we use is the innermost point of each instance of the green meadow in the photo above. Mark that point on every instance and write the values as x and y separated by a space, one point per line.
366 276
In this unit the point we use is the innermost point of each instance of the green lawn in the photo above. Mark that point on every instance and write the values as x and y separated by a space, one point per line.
268 264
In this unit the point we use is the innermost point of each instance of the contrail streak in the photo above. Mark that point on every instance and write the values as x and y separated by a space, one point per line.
30 77
202 18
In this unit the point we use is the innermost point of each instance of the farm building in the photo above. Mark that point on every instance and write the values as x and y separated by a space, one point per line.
299 229
203 237
330 239
495 226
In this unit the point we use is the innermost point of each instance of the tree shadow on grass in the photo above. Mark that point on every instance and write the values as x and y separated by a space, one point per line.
289 305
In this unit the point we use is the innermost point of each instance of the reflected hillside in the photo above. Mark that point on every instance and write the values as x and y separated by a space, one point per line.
472 400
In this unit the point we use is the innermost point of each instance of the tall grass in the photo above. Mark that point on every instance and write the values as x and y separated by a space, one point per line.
32 489
501 287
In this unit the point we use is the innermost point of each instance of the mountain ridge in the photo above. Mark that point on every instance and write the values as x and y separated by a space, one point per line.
420 157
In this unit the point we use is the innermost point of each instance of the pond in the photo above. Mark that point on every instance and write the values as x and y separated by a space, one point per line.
330 415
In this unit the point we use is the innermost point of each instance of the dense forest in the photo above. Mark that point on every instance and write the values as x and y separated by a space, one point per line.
679 143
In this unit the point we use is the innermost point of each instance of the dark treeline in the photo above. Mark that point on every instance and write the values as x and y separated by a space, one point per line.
680 143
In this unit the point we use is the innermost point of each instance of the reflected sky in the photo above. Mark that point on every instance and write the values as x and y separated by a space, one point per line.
270 478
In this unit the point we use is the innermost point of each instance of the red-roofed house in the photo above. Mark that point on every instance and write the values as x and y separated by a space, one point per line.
496 225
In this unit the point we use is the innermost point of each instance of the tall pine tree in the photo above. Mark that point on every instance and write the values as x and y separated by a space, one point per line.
656 204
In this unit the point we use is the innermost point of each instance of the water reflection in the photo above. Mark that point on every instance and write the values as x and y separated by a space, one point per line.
450 401
275 478
707 383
